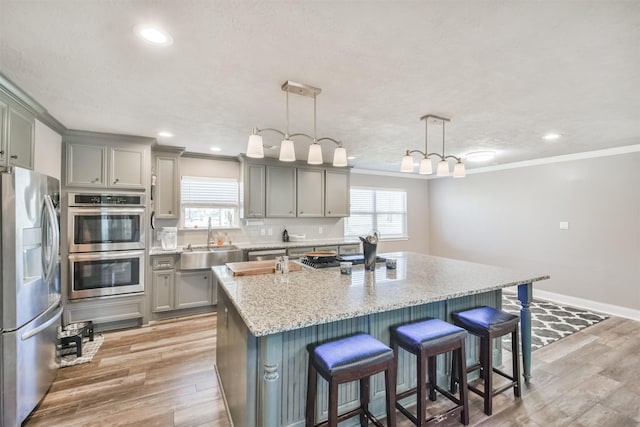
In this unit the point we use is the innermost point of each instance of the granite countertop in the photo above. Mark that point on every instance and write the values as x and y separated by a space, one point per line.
271 303
157 250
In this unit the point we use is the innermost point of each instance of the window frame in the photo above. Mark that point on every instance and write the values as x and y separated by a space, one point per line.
235 206
375 213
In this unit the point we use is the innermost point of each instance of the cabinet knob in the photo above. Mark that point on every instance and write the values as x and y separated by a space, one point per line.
115 181
169 212
1 152
300 212
290 211
95 180
14 156
329 212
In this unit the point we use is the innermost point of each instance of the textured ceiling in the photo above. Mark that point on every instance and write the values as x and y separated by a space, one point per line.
506 72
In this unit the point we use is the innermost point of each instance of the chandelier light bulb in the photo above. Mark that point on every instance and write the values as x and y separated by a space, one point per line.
340 157
425 167
287 151
443 168
315 154
459 170
254 147
407 164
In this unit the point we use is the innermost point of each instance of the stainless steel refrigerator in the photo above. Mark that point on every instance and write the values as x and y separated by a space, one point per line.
29 291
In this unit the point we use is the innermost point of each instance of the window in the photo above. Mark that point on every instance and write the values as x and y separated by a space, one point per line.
384 210
204 198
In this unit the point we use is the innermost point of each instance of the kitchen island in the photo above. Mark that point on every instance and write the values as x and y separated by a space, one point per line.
266 321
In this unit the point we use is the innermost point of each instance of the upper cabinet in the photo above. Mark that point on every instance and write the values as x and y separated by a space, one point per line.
273 189
166 191
17 134
281 192
310 192
337 193
105 161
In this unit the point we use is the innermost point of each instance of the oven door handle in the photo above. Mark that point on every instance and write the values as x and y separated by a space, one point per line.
106 210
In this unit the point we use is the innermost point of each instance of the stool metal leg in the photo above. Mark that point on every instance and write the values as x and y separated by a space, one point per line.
515 362
421 404
333 403
488 374
432 378
461 369
390 383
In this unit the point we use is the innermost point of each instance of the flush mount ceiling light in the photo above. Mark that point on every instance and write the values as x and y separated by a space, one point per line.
165 134
215 149
255 147
425 164
154 35
552 136
479 156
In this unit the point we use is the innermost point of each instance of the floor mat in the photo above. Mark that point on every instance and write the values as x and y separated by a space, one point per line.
549 321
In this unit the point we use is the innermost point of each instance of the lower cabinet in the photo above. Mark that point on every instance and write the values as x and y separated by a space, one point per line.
175 290
105 310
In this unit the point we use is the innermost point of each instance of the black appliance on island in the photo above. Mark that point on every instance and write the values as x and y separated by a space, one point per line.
334 260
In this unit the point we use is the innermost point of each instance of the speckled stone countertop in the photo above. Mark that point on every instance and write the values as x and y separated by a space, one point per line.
271 303
156 250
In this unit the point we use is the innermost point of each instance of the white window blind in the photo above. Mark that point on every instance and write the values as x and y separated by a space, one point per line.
384 210
204 198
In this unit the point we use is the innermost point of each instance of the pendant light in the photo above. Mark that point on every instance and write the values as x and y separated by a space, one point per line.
287 150
426 168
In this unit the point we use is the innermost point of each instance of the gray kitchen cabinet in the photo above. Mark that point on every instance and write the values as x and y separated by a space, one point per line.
336 194
167 189
86 165
193 289
281 192
163 284
310 193
99 165
17 135
254 190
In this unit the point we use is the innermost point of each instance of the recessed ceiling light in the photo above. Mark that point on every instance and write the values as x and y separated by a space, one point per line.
216 149
351 158
551 136
165 134
480 156
154 35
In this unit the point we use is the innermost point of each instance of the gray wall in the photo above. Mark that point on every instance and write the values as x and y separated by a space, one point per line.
417 209
511 218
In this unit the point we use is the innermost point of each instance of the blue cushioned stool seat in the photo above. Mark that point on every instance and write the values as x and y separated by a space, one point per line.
427 339
426 333
346 353
352 358
489 323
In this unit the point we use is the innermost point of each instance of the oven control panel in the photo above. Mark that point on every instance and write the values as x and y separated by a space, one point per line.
80 199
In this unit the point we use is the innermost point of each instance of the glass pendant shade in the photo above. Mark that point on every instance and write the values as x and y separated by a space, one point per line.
287 151
443 168
425 167
254 147
459 170
315 154
407 164
340 157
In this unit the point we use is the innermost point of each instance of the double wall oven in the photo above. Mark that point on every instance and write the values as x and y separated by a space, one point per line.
106 244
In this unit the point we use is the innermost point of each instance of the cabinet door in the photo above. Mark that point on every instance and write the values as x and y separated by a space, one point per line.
86 165
310 189
254 191
336 194
281 192
20 136
163 290
167 191
127 167
193 289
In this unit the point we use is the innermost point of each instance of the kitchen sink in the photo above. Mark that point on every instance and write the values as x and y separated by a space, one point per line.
198 259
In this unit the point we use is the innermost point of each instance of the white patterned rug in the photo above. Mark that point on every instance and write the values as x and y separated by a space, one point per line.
89 349
549 321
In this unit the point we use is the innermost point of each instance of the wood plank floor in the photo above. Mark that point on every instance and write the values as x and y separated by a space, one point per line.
163 375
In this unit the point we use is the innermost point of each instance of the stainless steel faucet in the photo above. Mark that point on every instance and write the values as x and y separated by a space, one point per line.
210 239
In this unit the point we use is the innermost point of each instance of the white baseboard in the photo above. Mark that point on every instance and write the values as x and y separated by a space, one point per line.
610 309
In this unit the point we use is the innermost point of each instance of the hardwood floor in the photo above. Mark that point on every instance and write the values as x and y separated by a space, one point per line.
163 375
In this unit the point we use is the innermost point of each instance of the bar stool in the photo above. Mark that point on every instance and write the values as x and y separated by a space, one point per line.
489 323
352 358
427 339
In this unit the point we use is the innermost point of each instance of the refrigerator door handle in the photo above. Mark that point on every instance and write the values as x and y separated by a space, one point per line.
50 210
42 327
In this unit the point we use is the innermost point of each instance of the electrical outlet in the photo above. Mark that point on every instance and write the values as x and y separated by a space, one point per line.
564 225
319 230
262 232
270 231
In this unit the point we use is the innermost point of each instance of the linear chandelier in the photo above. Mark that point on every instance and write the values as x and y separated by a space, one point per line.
255 146
425 164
